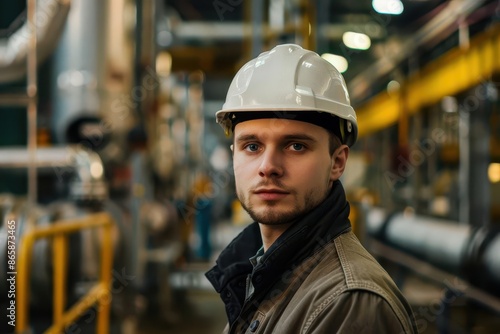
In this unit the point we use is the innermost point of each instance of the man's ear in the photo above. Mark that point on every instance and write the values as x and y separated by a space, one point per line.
339 160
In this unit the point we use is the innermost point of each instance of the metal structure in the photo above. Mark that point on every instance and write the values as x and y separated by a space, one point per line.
441 24
100 294
452 73
18 48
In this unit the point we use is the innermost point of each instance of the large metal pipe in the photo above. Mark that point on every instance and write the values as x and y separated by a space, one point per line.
460 249
51 16
88 182
79 69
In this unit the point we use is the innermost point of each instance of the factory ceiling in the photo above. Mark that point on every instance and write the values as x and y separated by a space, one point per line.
219 36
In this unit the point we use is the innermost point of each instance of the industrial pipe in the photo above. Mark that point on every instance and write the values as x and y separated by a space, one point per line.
51 16
88 182
460 249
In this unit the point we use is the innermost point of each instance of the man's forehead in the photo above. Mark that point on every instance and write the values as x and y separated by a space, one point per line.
277 127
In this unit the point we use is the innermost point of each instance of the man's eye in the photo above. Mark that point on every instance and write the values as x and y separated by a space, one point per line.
252 147
297 147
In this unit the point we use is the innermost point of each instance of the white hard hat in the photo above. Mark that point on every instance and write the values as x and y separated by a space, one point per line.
286 79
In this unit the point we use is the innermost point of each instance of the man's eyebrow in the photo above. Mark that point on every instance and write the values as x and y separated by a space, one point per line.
299 136
287 137
246 137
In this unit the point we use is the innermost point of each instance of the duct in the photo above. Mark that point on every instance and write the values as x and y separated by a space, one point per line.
440 242
459 249
79 71
51 16
220 31
88 182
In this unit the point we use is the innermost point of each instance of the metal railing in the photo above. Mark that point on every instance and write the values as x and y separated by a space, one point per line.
99 294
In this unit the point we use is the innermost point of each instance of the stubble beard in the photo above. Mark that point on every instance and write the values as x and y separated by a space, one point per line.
270 216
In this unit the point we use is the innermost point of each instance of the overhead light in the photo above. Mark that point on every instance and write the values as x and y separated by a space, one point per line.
449 104
355 40
339 62
96 170
164 38
393 87
494 172
163 63
392 7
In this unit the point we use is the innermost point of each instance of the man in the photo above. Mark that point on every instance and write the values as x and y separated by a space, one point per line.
298 268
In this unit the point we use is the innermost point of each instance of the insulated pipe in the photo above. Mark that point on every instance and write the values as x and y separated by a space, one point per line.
51 16
437 241
79 71
492 258
460 249
88 183
12 157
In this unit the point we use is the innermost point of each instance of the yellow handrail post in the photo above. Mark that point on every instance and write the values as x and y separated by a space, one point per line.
59 257
22 283
106 262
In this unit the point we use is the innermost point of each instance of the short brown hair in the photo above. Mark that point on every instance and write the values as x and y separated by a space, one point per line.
334 142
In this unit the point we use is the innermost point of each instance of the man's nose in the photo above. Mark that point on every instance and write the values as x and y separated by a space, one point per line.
271 164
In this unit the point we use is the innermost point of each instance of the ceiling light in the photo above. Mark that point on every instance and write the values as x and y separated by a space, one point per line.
339 62
356 40
393 7
96 169
449 104
494 172
393 87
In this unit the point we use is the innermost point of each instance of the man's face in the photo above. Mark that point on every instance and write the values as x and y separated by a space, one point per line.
282 168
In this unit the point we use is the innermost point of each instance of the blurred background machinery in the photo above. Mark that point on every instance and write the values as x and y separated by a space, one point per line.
107 106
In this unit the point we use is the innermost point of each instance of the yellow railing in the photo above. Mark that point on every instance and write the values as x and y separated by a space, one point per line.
100 294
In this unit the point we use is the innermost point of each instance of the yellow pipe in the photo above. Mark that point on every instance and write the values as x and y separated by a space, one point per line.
59 258
100 293
379 113
452 73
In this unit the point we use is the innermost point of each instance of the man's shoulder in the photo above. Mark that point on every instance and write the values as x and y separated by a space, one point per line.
357 263
345 265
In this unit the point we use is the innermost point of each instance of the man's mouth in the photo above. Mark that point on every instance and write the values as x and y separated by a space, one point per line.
271 194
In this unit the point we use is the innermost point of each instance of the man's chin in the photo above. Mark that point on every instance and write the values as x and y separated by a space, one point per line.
274 217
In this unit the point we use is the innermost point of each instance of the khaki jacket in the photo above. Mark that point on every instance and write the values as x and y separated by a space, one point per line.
340 289
315 278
